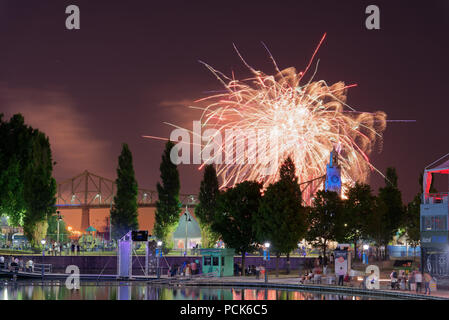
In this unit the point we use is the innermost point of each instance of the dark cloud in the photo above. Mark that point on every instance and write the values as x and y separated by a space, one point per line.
74 143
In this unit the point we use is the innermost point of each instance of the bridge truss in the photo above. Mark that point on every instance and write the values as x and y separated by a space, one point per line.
90 191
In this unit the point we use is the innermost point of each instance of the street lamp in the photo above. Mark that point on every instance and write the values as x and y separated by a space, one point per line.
266 257
43 255
59 219
365 258
158 253
187 214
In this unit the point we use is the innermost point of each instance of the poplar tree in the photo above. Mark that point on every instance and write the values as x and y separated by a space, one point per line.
168 206
391 200
124 210
205 210
39 189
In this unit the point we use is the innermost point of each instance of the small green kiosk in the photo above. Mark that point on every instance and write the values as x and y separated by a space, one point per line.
219 261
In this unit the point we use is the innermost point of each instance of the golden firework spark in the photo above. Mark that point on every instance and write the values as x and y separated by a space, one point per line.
276 116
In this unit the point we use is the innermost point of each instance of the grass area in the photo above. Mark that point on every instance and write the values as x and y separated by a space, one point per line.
18 252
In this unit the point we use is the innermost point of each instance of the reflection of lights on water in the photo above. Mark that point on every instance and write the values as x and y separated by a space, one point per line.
5 294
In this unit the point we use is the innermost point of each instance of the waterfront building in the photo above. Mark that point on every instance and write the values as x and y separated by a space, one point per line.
434 221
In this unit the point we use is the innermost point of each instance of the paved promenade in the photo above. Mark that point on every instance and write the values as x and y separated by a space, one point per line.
293 282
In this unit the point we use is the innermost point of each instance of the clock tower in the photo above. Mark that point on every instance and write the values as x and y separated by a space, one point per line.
333 174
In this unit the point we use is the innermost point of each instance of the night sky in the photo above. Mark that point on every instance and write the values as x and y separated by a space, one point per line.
134 65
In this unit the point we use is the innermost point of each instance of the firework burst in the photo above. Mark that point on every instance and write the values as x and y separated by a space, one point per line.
302 120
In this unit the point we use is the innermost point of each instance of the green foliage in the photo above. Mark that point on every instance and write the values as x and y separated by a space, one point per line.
12 203
391 202
412 223
39 188
205 210
26 183
234 218
39 232
281 218
359 207
124 210
15 152
168 206
325 219
52 229
377 229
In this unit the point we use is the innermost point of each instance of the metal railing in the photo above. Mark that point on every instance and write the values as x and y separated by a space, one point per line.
433 198
39 266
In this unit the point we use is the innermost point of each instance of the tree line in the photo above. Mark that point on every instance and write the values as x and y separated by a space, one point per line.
246 216
27 187
243 216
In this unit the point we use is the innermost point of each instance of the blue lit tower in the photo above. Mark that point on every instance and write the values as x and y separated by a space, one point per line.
333 174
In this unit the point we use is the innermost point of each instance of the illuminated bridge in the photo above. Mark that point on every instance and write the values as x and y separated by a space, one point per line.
88 192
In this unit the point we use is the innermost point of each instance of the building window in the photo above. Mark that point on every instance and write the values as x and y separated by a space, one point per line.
207 261
434 223
215 261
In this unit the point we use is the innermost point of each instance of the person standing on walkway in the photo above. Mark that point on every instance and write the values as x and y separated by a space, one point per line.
325 265
193 266
427 278
411 281
418 281
394 279
403 282
341 276
29 266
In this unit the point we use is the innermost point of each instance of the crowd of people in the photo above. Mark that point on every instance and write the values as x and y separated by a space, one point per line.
315 269
250 270
186 269
72 247
16 264
413 281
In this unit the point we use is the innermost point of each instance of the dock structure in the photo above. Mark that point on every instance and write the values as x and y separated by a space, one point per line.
63 276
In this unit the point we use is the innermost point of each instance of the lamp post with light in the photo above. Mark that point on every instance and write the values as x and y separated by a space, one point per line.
43 255
59 219
187 214
158 254
266 257
365 255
